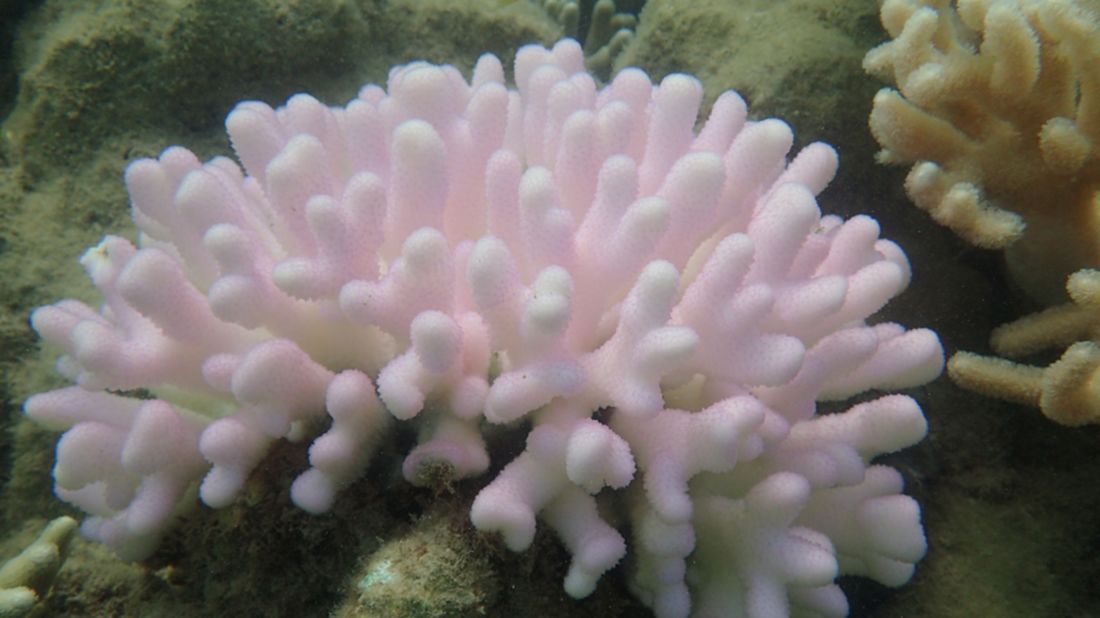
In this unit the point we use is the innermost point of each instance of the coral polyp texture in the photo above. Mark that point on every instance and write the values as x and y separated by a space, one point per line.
1066 390
662 308
997 107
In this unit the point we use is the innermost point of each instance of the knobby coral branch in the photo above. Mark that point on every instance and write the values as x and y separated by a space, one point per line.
445 253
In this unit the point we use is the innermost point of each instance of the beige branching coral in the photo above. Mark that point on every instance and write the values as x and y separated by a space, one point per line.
26 578
1068 391
998 108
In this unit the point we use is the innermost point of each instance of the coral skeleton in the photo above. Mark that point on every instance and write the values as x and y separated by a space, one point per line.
662 308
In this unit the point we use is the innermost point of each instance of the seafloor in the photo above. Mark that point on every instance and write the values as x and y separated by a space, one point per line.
1011 502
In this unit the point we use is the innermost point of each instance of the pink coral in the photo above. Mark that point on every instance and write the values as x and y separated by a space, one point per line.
447 253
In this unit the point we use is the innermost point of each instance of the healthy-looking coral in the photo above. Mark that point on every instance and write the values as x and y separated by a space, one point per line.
1067 391
662 306
999 106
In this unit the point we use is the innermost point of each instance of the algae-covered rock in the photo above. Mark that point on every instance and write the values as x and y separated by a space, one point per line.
438 567
93 70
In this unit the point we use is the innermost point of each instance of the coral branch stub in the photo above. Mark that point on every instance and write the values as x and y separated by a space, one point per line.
26 579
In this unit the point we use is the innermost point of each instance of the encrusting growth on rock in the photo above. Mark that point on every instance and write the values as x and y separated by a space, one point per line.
26 579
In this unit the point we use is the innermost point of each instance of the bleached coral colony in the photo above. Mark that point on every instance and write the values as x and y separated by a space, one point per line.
664 308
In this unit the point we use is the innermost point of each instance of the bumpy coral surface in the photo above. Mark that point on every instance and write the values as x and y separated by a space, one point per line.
664 308
1066 390
996 106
